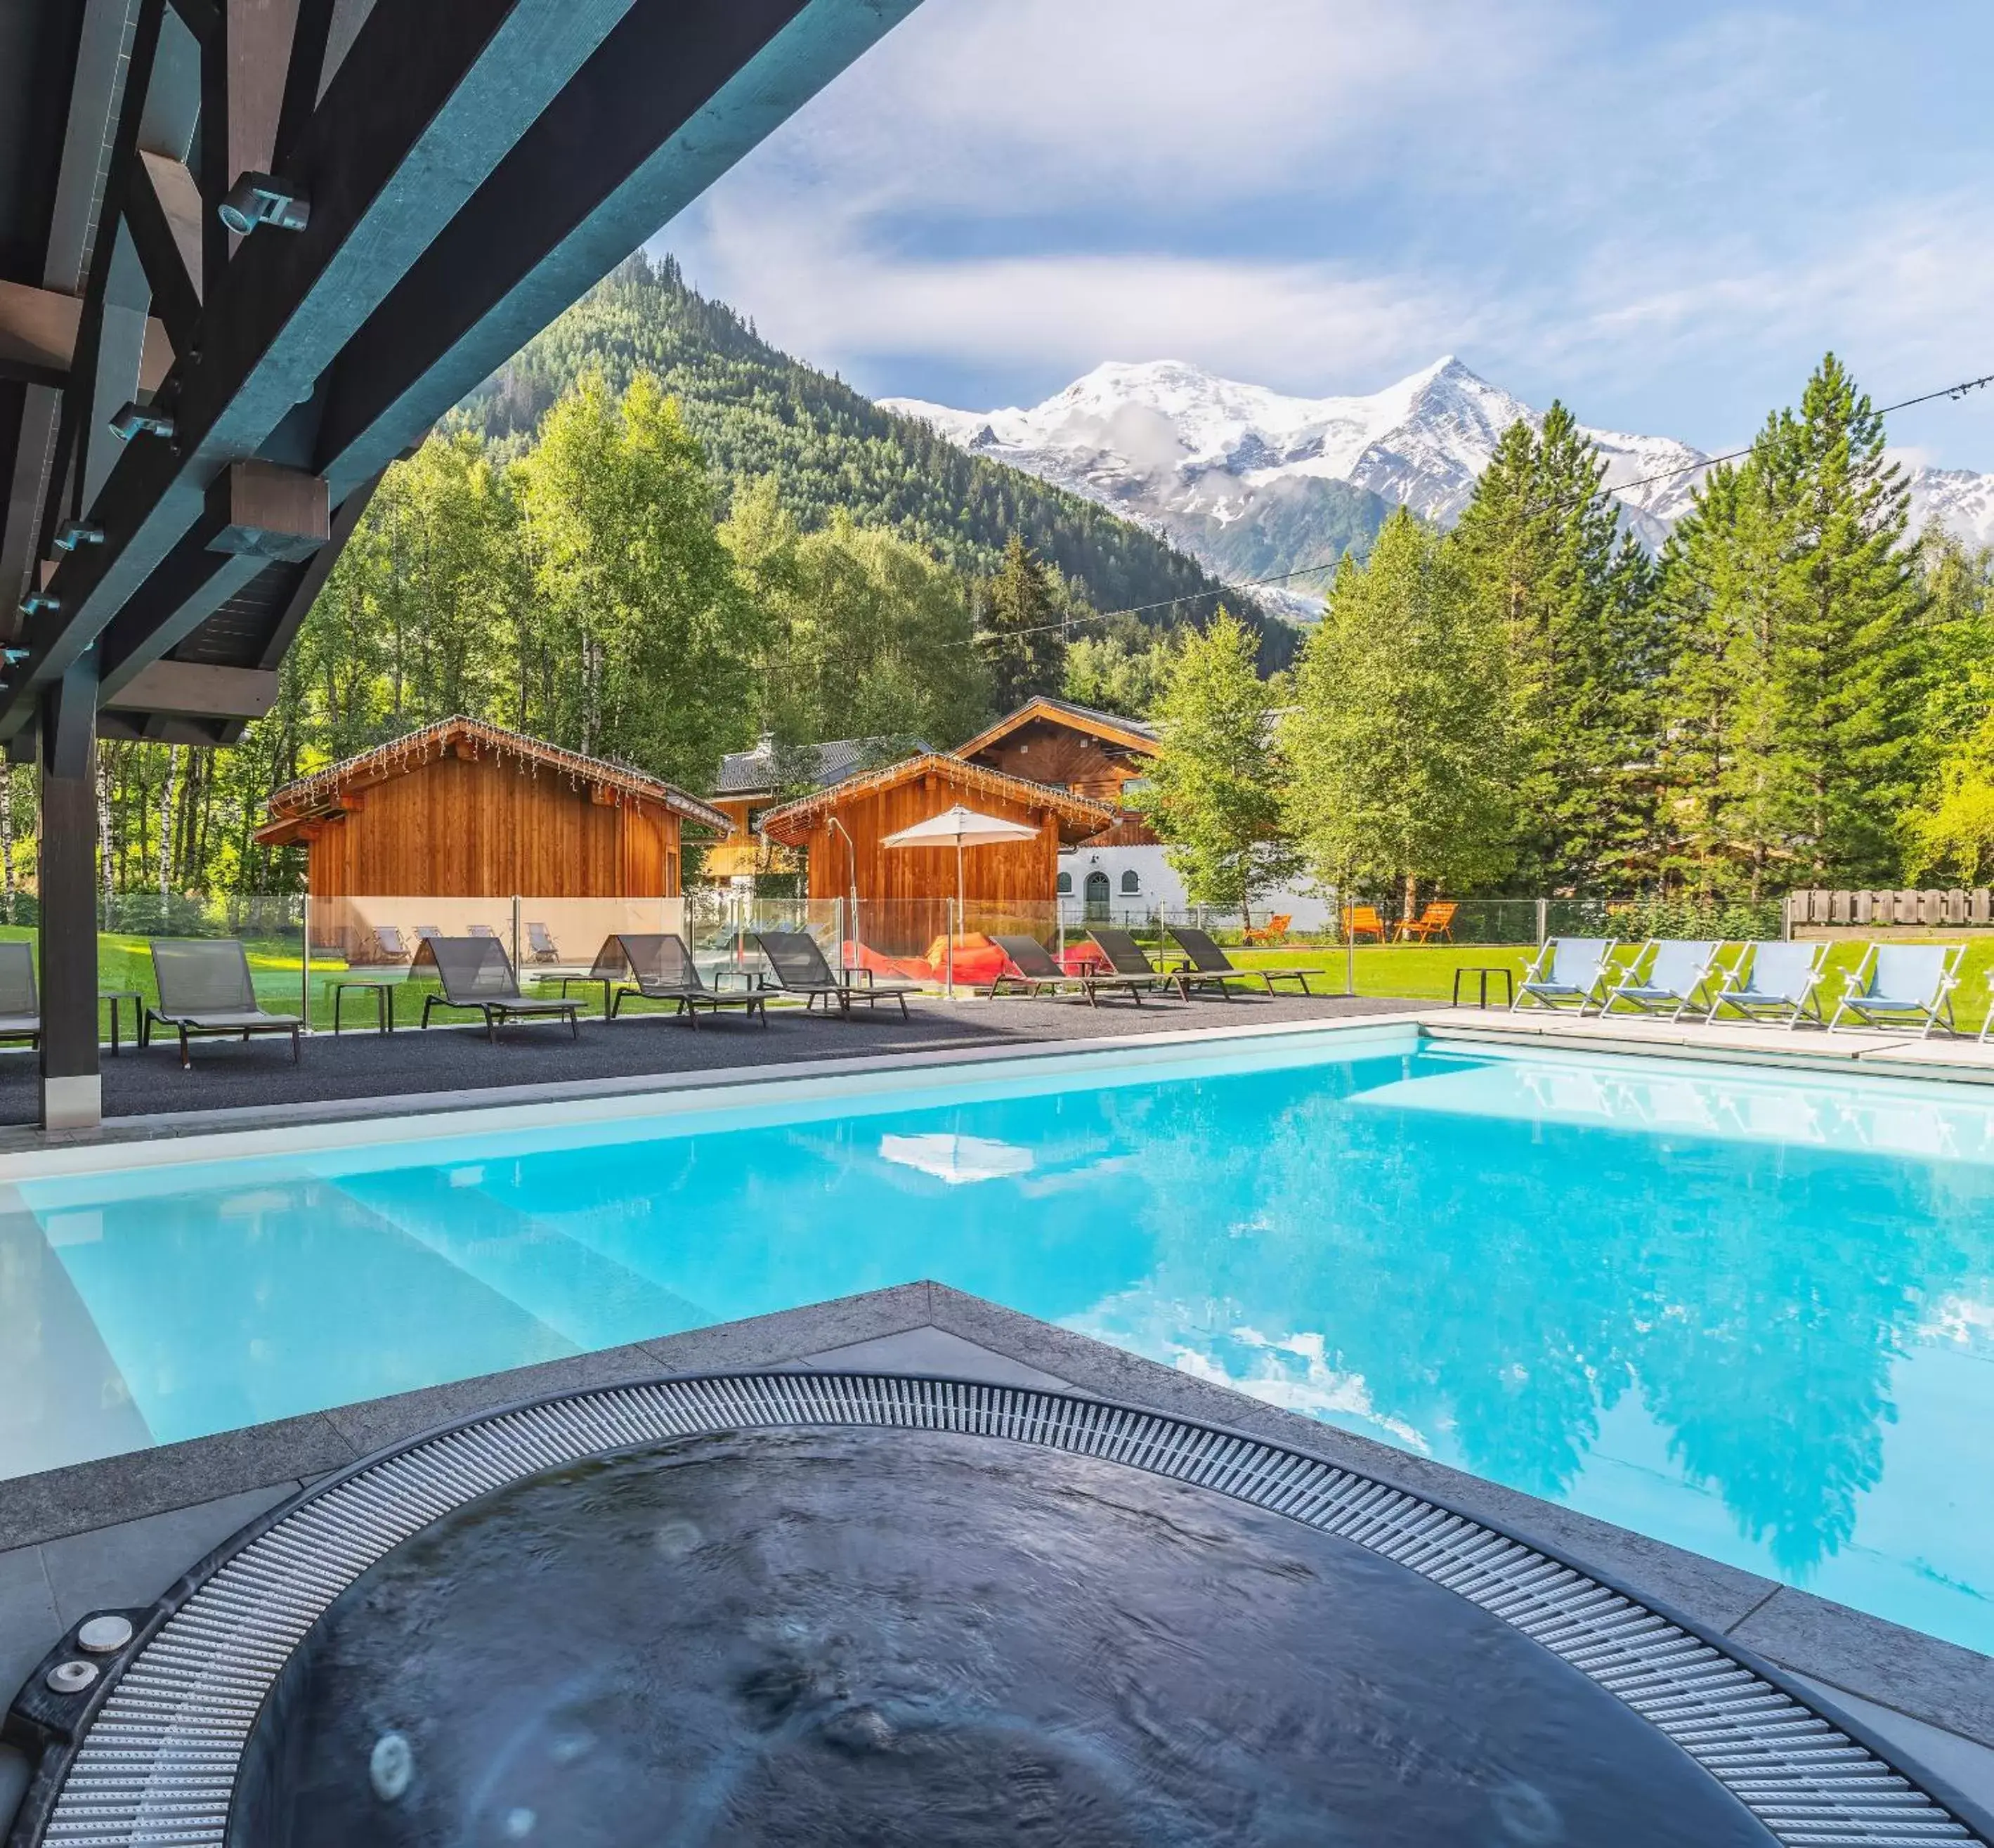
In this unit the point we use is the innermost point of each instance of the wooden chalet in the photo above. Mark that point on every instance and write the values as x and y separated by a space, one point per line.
842 828
1092 753
462 809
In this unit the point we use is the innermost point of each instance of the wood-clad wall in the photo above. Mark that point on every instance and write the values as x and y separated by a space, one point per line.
1065 757
486 828
1011 870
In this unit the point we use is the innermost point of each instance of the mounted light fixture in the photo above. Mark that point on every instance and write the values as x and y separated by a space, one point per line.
262 199
73 533
36 603
134 419
13 656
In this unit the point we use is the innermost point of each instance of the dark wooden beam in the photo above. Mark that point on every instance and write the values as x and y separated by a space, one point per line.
427 102
164 211
72 1094
676 95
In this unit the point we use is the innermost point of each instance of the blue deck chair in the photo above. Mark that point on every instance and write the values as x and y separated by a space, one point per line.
1673 981
1568 969
1773 981
1903 985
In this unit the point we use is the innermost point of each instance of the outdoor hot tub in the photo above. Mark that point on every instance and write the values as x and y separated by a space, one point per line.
793 1607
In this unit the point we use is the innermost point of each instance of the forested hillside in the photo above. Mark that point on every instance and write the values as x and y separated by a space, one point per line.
757 412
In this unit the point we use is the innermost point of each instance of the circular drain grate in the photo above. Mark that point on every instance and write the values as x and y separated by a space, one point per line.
159 1763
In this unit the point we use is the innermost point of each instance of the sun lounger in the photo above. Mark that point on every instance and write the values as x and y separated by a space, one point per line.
20 1004
477 976
659 967
1211 966
1773 981
1030 967
1568 970
800 968
1274 931
1124 956
1903 985
1669 976
540 946
390 945
205 988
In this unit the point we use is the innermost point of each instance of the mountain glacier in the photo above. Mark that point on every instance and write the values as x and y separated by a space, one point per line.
1253 483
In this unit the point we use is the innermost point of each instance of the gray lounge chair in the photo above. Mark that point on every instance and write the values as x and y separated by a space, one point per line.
205 988
1033 970
800 968
1903 985
1567 970
477 976
1125 959
540 945
1209 966
1671 976
1773 981
390 945
20 1003
660 967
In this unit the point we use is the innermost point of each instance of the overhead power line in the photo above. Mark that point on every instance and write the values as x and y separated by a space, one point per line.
1954 392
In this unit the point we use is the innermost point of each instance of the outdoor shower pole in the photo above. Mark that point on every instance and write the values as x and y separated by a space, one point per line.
304 966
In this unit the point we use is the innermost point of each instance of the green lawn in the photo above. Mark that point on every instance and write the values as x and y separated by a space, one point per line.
1425 972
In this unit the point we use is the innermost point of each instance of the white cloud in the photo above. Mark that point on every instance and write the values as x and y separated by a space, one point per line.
1663 217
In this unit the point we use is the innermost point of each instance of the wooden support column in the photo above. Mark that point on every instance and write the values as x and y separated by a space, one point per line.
72 1089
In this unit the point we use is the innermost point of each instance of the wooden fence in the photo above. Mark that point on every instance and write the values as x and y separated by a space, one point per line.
1954 907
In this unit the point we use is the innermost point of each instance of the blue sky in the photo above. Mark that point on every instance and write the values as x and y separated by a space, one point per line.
1662 214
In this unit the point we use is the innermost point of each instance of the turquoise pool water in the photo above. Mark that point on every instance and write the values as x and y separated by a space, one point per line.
1749 1314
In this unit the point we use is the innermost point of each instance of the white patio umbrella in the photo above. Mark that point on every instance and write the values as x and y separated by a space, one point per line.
960 827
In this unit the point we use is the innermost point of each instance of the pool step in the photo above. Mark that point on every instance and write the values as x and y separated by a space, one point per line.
589 1299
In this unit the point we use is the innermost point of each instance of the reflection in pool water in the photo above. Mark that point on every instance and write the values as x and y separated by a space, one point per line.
1751 1316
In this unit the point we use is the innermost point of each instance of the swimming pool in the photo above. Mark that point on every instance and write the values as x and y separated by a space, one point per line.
1748 1311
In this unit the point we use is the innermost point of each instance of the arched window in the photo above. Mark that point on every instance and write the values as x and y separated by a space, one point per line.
1065 886
1130 883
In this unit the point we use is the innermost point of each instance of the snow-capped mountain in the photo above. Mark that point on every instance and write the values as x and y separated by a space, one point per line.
1252 483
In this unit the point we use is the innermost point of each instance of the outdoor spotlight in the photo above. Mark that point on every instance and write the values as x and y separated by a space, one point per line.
73 533
34 604
262 199
133 419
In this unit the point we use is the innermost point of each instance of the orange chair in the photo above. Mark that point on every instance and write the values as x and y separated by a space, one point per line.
1360 921
1274 931
1436 920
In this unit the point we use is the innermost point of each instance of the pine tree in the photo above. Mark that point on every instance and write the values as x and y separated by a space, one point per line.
1022 640
1213 791
1396 743
1803 656
1569 605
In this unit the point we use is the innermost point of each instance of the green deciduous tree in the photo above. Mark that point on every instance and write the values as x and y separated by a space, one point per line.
1126 671
645 640
1396 743
1214 793
868 635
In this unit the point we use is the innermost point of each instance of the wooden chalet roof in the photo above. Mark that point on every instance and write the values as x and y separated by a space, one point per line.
1111 728
322 794
791 823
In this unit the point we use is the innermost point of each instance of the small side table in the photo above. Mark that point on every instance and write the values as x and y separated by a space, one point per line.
384 987
1482 973
113 995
